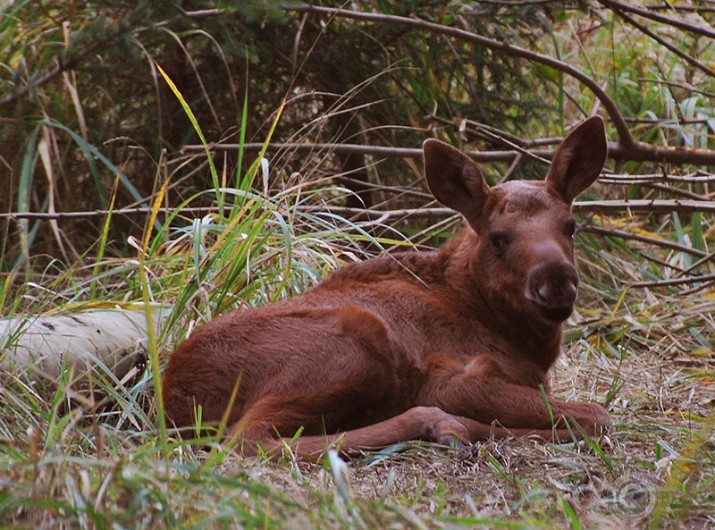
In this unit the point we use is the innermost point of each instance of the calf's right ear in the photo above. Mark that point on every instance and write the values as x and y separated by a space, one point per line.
579 159
454 179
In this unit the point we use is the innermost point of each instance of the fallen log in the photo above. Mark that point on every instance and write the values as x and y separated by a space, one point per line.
85 342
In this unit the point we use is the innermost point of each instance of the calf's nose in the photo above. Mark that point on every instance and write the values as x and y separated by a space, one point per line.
552 287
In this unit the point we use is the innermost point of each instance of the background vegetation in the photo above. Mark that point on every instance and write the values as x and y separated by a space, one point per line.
259 172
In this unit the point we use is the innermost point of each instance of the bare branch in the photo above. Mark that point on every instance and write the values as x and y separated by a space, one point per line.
677 51
627 147
624 234
619 123
693 178
645 206
686 9
638 152
369 150
642 205
675 22
518 3
642 152
678 281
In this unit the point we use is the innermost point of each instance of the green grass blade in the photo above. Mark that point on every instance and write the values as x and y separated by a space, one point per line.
195 124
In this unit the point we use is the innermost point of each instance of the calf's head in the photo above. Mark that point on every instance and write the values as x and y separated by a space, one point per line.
524 257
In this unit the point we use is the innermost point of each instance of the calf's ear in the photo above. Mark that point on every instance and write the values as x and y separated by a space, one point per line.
579 159
454 179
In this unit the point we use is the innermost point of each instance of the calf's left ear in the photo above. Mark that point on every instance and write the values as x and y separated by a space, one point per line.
579 159
454 179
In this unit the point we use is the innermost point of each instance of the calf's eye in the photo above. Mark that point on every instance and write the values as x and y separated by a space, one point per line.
499 242
570 228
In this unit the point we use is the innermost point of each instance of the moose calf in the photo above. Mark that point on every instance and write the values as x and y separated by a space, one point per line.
453 345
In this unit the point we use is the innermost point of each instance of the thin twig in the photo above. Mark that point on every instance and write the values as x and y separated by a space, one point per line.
678 23
624 134
677 281
691 178
414 152
701 261
677 51
686 9
627 147
482 130
370 150
676 191
70 63
518 3
624 234
640 206
645 206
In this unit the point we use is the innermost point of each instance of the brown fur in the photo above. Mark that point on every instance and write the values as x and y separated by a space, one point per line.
446 345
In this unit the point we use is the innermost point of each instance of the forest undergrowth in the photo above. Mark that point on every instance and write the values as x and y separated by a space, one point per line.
206 185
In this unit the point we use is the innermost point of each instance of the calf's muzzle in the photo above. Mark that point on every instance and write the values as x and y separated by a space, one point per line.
551 288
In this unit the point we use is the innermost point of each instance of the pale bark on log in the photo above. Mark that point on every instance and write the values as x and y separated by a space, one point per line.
44 346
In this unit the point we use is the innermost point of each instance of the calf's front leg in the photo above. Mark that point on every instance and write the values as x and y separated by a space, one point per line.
417 423
480 392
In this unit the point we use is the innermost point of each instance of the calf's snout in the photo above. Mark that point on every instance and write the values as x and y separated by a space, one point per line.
552 289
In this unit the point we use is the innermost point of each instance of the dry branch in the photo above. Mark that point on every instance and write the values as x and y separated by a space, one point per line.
642 152
627 147
706 278
359 149
633 206
670 21
645 206
624 234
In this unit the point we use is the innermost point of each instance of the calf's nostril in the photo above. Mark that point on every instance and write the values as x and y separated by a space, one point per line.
544 293
553 292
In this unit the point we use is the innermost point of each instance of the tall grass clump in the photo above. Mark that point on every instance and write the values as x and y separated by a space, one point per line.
92 451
